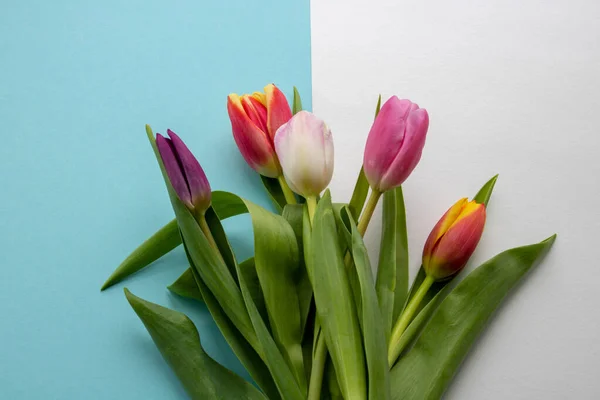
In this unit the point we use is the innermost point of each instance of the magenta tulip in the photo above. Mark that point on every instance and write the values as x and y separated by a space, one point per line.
395 143
184 172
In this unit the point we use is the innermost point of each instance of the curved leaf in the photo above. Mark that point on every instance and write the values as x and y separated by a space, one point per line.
373 330
247 355
185 286
178 341
293 214
425 372
335 305
392 270
156 246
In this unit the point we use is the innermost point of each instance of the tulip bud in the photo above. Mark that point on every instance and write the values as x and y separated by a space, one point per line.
453 239
395 143
304 146
254 121
184 172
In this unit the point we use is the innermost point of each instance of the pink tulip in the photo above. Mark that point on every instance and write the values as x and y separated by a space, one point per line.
254 121
395 143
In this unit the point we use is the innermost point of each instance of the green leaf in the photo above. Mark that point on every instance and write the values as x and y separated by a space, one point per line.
248 356
425 372
392 271
185 286
359 195
159 244
373 330
276 258
274 191
293 214
276 268
335 305
178 341
297 104
484 194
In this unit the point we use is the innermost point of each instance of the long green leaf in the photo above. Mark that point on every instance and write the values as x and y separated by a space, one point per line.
392 271
359 195
247 355
276 264
425 372
335 305
166 239
293 213
159 244
276 259
178 341
373 330
274 191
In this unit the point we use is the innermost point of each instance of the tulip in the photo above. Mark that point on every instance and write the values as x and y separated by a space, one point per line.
304 146
394 144
453 239
254 121
447 249
185 173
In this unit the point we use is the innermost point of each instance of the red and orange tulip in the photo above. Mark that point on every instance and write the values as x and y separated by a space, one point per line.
255 119
453 239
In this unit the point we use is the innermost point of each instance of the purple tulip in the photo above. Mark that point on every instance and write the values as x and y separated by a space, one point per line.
184 172
395 143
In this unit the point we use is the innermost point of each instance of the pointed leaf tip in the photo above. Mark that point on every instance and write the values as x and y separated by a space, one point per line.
485 193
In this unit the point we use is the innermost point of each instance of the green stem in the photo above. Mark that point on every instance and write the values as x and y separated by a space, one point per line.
318 366
367 213
405 318
290 197
311 203
206 230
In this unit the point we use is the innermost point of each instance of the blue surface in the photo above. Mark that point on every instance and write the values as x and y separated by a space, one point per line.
80 187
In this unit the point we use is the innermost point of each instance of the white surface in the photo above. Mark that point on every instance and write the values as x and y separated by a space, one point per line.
512 87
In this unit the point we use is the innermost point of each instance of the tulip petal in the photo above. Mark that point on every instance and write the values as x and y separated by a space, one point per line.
173 168
385 139
198 185
409 155
253 143
441 227
304 146
456 246
278 109
256 111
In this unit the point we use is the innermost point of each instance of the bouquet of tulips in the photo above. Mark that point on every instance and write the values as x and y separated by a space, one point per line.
305 315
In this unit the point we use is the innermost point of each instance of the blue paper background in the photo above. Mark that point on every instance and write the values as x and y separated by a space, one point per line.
80 187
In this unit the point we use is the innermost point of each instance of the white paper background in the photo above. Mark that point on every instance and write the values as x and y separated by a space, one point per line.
512 87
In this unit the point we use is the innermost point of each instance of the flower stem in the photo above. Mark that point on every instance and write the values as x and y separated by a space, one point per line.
365 218
206 230
311 203
316 374
290 197
405 318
